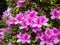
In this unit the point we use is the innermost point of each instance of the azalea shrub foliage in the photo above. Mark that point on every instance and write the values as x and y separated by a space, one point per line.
30 22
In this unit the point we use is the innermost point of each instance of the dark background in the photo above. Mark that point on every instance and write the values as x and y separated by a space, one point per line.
3 7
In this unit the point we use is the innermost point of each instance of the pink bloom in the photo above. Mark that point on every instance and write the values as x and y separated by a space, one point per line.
42 43
47 40
2 34
20 3
23 25
26 19
55 13
48 32
58 36
35 29
5 29
19 18
5 14
56 41
31 13
8 29
24 38
2 30
39 21
10 22
9 43
39 34
55 31
1 41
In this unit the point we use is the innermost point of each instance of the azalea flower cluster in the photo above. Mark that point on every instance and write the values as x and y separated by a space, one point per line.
28 19
29 22
49 37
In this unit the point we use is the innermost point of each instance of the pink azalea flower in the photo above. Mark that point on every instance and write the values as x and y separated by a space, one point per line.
29 15
39 21
5 14
23 38
46 40
56 41
2 30
58 36
5 29
35 29
19 18
23 25
2 34
55 31
55 14
10 21
9 43
39 34
33 13
8 29
20 3
1 41
48 32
